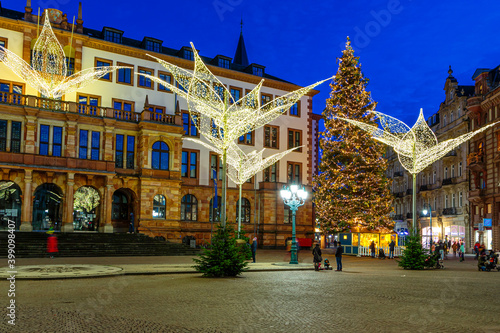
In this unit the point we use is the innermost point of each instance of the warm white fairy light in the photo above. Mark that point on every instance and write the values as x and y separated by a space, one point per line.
48 73
215 111
417 147
218 117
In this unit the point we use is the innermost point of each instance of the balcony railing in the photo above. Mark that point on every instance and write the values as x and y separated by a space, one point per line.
449 181
89 110
473 158
450 211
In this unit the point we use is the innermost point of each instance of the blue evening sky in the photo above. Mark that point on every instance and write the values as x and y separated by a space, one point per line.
405 46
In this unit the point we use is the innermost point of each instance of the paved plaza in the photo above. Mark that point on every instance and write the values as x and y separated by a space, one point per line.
370 295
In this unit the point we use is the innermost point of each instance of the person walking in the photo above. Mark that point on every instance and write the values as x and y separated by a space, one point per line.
52 248
372 249
454 247
254 248
338 257
476 250
441 250
392 244
317 257
462 251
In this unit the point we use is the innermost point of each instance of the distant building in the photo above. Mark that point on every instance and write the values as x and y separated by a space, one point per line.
120 143
483 159
443 185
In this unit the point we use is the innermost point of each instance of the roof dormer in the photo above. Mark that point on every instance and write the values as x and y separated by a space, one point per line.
256 69
221 61
112 35
152 44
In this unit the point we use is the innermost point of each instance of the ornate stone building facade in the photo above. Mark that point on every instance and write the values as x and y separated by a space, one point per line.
114 151
483 159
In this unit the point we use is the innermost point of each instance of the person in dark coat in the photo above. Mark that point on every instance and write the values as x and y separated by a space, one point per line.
254 248
338 257
372 249
391 249
317 257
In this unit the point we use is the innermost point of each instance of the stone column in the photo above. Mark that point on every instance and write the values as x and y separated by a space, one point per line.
68 207
26 212
108 196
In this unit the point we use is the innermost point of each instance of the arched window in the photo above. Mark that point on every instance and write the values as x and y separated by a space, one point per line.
160 156
119 209
47 207
159 206
10 204
189 208
245 210
215 208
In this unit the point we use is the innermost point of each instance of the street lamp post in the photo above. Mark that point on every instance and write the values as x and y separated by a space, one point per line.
294 197
430 221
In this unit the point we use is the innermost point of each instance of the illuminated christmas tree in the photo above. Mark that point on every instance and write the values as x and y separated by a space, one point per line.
352 188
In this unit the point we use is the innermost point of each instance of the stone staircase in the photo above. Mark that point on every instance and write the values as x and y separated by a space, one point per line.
34 245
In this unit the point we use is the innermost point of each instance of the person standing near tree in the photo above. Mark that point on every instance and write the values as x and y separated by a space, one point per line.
372 249
317 257
338 257
392 244
254 248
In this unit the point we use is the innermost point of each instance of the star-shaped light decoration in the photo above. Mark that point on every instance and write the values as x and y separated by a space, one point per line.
243 166
48 73
218 116
417 147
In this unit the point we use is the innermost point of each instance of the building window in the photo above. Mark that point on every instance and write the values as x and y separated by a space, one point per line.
265 98
287 216
220 90
295 110
224 63
460 199
445 173
189 208
189 168
245 210
453 171
482 182
56 141
95 146
235 93
453 200
188 124
3 42
271 136
70 66
164 77
257 71
44 140
270 174
460 169
188 54
215 208
294 139
88 104
104 63
120 206
15 137
145 82
123 109
11 92
84 138
215 166
152 46
159 206
119 151
160 156
112 36
246 139
130 151
124 74
444 120
3 135
451 117
446 201
294 174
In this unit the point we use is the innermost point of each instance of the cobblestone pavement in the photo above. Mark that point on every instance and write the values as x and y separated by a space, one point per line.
369 295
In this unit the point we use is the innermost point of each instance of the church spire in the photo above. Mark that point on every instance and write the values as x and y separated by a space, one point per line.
240 57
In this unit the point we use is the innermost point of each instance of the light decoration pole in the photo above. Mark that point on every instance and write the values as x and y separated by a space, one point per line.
430 221
218 116
243 166
48 74
417 147
293 197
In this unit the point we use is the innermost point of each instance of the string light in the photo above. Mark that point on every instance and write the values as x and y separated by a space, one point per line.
417 147
48 72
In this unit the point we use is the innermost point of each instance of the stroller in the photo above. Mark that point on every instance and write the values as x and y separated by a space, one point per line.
327 265
491 262
381 254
